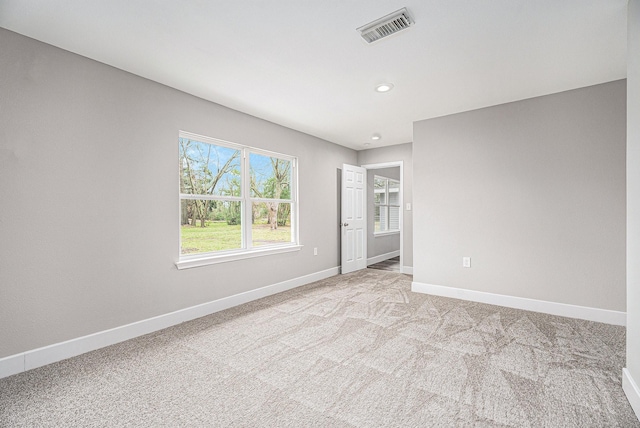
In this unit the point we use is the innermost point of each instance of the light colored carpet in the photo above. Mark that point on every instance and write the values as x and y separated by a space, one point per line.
355 350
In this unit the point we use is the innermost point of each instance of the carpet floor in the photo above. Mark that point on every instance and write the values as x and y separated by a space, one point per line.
356 350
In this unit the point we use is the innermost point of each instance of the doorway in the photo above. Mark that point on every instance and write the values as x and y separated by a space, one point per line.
385 212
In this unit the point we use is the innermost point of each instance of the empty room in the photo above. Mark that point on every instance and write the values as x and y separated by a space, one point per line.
327 214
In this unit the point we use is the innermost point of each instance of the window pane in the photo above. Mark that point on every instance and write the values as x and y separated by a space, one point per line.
378 219
394 192
376 198
384 222
270 177
379 196
210 226
271 223
394 218
394 197
207 169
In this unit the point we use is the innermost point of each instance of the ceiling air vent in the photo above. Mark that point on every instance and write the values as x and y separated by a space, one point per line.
386 26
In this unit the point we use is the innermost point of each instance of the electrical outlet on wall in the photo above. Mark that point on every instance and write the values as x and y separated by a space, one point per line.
466 262
315 251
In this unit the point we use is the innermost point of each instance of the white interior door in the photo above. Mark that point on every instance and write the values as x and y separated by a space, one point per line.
354 219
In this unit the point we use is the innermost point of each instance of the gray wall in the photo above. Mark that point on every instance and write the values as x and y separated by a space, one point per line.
533 191
401 152
633 191
382 244
89 194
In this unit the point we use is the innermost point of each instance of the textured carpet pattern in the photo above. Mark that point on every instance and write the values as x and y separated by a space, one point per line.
357 350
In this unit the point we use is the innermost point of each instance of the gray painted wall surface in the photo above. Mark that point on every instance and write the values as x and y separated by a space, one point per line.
382 244
401 152
633 190
89 191
533 191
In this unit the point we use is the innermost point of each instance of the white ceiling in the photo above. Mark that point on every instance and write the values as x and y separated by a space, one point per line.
302 64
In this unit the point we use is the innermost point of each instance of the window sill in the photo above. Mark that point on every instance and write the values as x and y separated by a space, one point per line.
391 232
204 260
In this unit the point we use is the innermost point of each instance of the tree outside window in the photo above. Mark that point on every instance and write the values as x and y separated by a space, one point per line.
233 198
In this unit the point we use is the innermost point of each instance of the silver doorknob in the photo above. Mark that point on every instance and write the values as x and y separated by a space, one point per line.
345 224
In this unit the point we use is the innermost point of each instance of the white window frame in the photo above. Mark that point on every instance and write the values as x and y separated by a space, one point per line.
387 205
248 250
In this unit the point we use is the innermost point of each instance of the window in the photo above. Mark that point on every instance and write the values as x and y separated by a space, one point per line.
386 205
235 201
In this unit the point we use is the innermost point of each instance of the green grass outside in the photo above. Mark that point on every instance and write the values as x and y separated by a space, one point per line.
219 236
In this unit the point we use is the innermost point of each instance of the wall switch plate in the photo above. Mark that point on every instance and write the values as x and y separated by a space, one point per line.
466 262
408 206
315 251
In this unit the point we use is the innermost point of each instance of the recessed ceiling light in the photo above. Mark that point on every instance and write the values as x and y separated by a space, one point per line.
376 137
384 87
367 144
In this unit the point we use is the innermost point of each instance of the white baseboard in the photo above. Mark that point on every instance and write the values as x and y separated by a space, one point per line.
382 257
632 391
407 269
28 360
562 309
11 365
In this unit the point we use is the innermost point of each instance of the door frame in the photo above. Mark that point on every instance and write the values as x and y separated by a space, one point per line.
392 164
